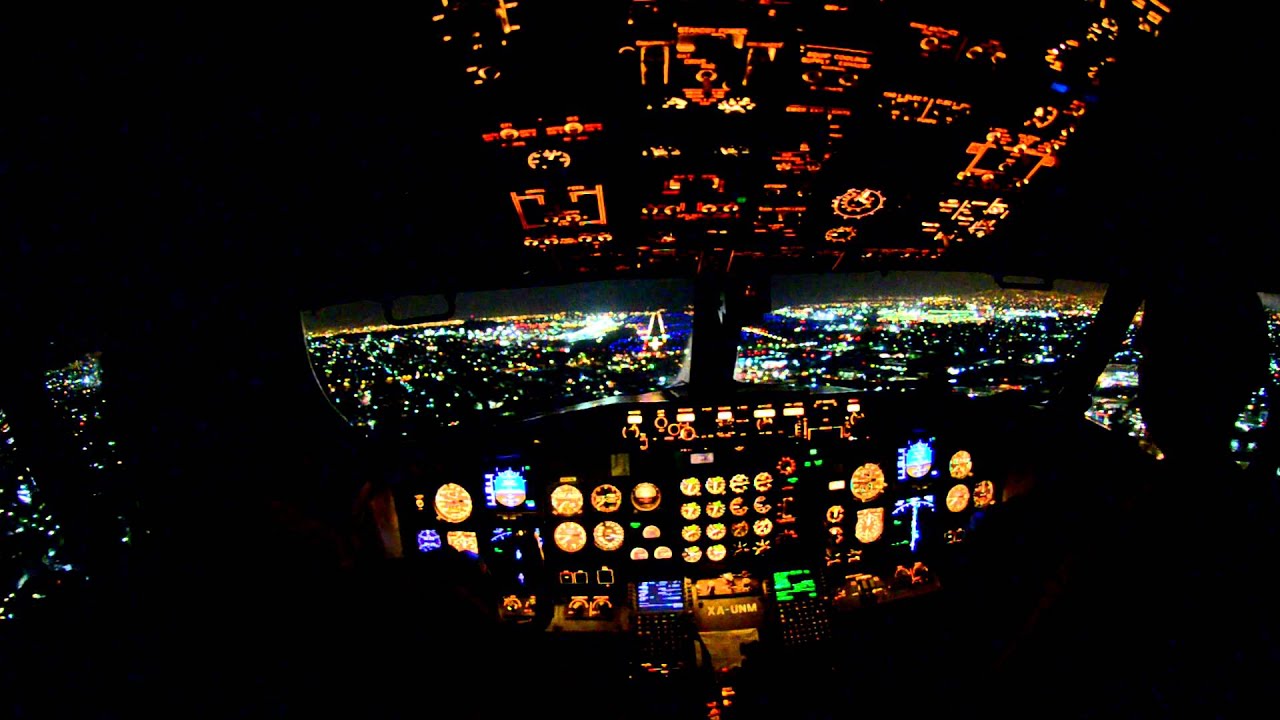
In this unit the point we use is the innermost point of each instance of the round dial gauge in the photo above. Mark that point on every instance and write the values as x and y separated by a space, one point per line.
739 483
691 533
835 514
858 203
692 554
566 500
958 498
716 531
738 506
716 509
961 465
740 529
453 503
690 487
762 527
716 485
608 535
570 536
761 506
868 482
763 482
606 498
690 510
646 496
984 493
429 540
716 552
548 159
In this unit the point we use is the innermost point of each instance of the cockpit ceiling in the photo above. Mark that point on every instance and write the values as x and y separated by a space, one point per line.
492 143
654 137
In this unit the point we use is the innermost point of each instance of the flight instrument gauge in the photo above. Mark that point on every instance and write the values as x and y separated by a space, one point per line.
453 503
984 493
646 496
608 535
566 500
606 498
961 465
958 498
867 482
857 203
570 537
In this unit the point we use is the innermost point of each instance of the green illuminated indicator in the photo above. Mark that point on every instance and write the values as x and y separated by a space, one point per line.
635 526
813 451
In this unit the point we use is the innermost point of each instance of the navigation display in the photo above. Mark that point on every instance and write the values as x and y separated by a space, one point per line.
660 596
791 585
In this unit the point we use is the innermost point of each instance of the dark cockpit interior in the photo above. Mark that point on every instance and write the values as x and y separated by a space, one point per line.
637 359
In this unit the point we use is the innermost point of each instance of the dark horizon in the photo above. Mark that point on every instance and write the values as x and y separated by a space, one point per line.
674 293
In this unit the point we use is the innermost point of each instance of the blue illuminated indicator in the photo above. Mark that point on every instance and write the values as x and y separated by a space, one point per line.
1058 87
500 534
915 460
24 494
915 505
506 488
428 540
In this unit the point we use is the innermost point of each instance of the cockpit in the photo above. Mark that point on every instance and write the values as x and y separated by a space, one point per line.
647 358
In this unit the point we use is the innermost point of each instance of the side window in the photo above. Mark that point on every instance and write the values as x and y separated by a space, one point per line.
35 560
1115 395
1116 406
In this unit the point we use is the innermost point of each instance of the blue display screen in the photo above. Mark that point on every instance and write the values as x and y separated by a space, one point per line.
429 540
915 461
507 488
660 596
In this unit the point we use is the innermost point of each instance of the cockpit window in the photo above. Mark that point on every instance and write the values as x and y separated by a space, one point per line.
917 330
1117 406
505 354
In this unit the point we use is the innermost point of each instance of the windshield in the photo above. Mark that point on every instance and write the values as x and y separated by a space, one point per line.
506 354
909 331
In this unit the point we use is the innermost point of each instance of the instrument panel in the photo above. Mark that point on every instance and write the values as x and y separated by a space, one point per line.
584 503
